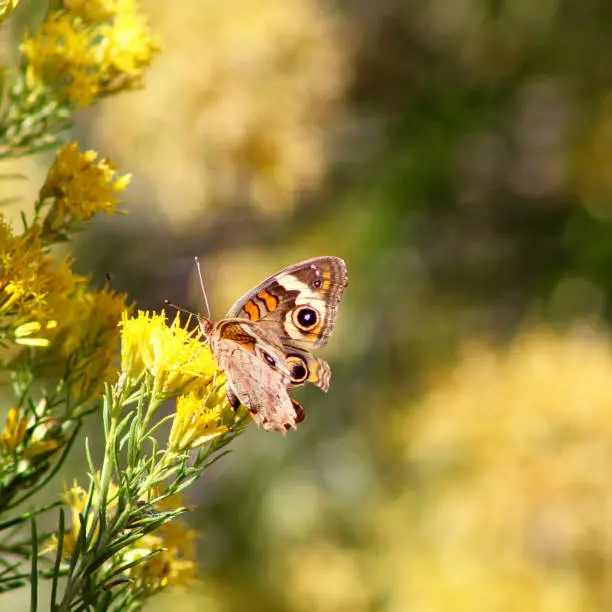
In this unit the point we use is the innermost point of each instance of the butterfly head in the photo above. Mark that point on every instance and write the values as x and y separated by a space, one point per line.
206 325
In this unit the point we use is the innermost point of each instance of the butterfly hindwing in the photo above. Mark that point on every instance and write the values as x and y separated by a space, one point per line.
256 372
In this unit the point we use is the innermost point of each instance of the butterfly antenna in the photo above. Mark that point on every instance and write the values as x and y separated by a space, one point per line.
169 303
197 263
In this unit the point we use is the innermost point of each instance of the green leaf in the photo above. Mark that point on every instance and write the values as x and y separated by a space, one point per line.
58 558
34 572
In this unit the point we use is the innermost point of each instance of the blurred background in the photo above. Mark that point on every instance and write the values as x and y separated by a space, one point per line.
458 156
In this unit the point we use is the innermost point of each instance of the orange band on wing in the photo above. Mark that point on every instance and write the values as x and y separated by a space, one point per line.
236 333
252 310
269 300
315 333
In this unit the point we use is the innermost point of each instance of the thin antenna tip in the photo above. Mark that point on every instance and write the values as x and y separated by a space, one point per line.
173 305
200 277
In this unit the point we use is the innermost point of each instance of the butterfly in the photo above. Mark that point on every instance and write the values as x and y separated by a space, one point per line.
264 344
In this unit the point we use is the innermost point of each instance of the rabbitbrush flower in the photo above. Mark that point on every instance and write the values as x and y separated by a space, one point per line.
172 355
90 49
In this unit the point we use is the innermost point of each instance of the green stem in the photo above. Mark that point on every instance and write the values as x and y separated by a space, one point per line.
95 519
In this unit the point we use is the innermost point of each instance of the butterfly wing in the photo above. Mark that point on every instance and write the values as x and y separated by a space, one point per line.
299 306
317 284
256 374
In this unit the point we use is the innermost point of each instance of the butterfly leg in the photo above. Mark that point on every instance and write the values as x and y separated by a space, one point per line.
232 398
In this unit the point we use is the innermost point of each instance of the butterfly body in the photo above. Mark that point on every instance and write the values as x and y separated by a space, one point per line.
264 345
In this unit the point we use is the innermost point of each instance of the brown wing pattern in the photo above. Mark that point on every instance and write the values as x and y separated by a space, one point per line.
261 390
283 303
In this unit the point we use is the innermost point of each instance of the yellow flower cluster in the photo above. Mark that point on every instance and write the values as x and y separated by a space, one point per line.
33 286
509 456
80 187
6 8
174 564
14 432
266 95
179 364
87 336
195 423
169 567
173 355
76 498
173 543
90 48
42 302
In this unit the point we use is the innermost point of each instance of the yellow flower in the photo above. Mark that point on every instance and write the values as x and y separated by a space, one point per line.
172 355
6 8
28 276
76 499
37 443
96 11
59 51
87 336
174 565
24 333
239 100
44 447
135 342
89 49
129 44
43 304
80 187
82 88
45 438
195 423
14 432
93 321
35 289
166 568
